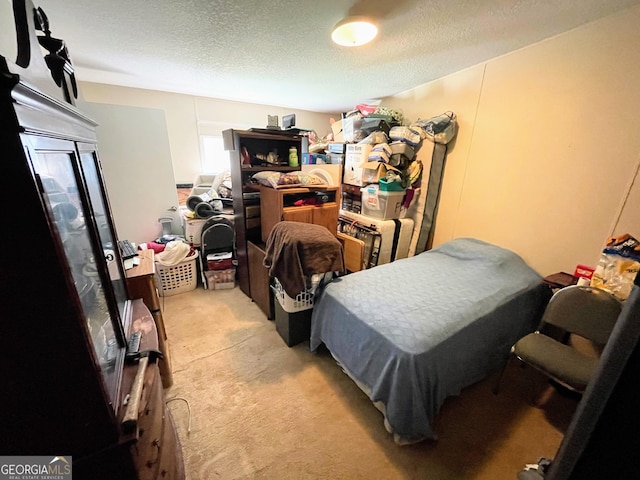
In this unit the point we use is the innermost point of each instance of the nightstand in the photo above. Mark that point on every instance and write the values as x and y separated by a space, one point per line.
141 284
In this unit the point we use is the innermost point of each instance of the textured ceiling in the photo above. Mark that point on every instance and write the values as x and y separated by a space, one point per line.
279 52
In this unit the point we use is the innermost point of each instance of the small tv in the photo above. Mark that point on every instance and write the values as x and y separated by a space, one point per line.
289 121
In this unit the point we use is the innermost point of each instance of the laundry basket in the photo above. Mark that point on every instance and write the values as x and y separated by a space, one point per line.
302 301
293 315
179 278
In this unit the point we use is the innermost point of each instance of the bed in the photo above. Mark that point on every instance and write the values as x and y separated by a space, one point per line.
415 331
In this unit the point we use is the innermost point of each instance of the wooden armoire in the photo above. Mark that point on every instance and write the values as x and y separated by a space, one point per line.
68 387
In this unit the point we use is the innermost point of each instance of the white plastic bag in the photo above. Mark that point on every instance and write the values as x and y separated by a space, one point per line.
440 129
618 266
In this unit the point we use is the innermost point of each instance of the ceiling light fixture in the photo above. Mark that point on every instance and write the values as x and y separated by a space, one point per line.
354 31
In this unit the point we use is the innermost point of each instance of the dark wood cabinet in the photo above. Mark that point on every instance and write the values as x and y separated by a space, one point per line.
66 311
260 282
248 152
150 451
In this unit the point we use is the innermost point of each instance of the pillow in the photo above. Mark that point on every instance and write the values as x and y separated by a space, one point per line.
310 179
410 135
275 179
289 179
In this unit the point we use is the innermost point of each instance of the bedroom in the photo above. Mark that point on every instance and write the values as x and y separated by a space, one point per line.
543 164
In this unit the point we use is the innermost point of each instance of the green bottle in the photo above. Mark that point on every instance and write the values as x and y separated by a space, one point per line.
293 157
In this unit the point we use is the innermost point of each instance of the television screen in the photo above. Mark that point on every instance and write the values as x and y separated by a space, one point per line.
289 121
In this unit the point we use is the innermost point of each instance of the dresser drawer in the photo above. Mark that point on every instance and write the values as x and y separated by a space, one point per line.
148 448
171 462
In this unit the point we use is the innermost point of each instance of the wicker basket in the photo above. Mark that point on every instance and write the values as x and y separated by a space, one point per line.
179 278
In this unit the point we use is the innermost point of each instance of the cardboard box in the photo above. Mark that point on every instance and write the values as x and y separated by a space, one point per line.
344 130
220 261
335 158
356 154
583 271
372 172
335 147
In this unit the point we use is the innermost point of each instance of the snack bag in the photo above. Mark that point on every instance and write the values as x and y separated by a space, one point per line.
618 266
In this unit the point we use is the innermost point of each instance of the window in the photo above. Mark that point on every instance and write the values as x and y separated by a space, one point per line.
214 158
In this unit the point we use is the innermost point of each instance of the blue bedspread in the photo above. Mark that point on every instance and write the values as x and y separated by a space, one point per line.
413 332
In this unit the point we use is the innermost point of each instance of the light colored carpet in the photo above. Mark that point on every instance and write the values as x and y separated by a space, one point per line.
261 410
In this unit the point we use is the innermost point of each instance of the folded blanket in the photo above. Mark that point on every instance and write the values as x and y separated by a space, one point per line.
298 250
174 253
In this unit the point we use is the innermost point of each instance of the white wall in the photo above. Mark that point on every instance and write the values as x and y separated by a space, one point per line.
187 117
548 145
136 162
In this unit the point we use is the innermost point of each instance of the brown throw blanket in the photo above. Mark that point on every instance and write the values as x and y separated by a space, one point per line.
297 250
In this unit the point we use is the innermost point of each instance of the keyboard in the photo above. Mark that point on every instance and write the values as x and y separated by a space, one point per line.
127 249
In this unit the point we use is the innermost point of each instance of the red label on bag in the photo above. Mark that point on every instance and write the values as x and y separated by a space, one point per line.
582 271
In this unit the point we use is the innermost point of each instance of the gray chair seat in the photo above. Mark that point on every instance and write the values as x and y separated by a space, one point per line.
585 311
561 362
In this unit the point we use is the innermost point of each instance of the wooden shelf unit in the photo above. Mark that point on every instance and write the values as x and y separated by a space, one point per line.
246 194
280 204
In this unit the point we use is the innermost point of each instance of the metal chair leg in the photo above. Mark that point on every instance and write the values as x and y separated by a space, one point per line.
496 387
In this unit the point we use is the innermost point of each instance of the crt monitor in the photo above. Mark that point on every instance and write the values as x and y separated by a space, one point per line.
289 121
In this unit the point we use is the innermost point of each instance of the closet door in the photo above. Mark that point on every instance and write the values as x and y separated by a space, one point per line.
137 166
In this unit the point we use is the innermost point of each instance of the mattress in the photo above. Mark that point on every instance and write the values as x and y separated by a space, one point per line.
415 331
395 235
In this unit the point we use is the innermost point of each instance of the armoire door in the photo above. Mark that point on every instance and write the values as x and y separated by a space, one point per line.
55 166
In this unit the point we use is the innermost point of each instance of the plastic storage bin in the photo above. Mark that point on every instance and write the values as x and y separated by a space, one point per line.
394 186
221 279
193 229
381 204
179 278
293 327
